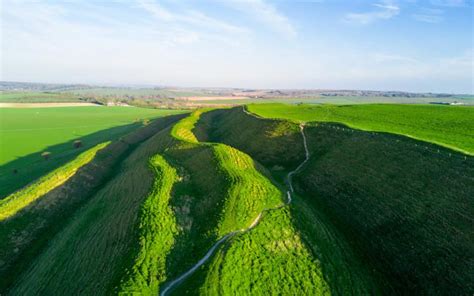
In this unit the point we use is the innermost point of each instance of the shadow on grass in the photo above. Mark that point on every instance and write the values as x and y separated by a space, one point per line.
18 173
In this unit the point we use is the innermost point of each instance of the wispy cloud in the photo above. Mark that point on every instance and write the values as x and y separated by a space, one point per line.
429 15
383 11
191 17
266 13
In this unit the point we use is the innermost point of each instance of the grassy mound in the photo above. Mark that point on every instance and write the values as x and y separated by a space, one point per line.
449 126
277 144
404 206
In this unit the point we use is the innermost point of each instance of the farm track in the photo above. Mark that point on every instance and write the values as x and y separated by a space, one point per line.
189 136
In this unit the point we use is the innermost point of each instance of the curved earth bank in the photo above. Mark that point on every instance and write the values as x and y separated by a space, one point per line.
173 284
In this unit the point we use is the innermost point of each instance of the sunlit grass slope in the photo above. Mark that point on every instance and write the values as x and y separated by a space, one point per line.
22 198
449 126
249 194
157 231
270 259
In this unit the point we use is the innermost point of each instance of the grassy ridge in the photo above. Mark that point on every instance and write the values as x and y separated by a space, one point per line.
249 192
18 200
183 130
157 231
449 126
107 196
278 145
406 209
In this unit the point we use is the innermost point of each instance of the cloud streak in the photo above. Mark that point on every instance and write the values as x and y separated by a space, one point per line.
383 11
191 17
267 14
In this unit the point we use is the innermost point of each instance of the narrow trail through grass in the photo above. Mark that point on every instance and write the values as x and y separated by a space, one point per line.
248 183
22 198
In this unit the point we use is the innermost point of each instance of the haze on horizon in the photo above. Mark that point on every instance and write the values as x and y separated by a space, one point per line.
406 45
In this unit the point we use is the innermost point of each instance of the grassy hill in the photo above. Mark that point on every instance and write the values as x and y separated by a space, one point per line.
449 126
403 206
373 213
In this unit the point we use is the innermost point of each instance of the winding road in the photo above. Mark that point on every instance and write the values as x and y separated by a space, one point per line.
173 284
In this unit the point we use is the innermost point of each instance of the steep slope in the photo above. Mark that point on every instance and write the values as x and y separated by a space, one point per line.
403 207
248 199
406 205
279 146
27 237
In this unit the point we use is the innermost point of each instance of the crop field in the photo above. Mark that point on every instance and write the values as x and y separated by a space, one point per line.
36 97
225 202
449 126
26 133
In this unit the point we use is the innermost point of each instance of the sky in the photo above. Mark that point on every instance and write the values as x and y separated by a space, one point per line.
407 45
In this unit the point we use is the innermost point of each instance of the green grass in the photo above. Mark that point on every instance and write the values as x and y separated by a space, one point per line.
36 97
278 145
374 214
271 259
30 130
449 126
105 221
20 199
157 231
403 206
26 133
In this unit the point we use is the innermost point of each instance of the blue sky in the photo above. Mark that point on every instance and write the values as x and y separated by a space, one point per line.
382 45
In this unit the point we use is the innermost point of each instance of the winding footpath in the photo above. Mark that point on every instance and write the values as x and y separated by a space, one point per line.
173 284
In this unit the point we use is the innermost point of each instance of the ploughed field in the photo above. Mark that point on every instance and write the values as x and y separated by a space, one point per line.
225 202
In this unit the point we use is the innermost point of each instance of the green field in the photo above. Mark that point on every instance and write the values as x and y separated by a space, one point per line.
26 132
36 97
449 126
